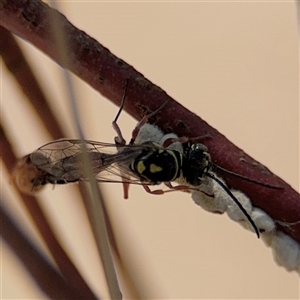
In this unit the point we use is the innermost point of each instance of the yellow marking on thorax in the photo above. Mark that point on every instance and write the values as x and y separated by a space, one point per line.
155 169
140 167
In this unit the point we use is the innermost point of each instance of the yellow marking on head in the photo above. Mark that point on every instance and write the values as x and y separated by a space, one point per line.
154 168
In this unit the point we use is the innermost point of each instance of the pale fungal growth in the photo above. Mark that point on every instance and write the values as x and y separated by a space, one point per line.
233 211
149 133
286 251
263 221
152 133
209 197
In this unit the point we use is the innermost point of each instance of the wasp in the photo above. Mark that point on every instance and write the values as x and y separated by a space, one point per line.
150 158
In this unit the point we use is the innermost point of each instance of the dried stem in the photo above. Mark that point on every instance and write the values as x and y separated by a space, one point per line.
65 265
16 63
45 275
106 73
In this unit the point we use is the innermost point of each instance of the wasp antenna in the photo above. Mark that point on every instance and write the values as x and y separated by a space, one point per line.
157 110
235 200
246 178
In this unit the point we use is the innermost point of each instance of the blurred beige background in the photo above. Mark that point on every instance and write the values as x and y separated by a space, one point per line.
235 64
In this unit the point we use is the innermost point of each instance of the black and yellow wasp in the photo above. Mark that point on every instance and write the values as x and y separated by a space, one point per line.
150 158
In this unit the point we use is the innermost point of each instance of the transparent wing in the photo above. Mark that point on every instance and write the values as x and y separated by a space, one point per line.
62 160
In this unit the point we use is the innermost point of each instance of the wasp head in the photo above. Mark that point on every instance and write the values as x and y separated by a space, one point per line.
196 164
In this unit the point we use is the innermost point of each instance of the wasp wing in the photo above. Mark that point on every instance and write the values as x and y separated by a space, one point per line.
63 160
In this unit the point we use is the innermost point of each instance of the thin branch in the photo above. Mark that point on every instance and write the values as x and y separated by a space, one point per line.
65 265
44 274
17 64
106 73
93 199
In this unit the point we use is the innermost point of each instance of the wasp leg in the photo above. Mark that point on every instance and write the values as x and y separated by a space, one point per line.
125 188
126 184
155 192
199 138
137 129
119 139
172 189
184 139
143 121
171 141
182 187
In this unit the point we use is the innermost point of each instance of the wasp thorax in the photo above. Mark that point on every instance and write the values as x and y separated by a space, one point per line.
196 164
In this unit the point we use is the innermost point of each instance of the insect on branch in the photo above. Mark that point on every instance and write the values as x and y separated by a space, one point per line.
107 73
